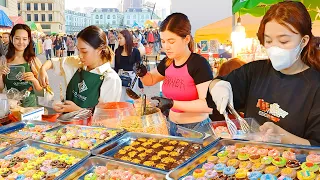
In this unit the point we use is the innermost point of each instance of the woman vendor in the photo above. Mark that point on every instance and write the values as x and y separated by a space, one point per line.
283 93
91 82
22 60
186 76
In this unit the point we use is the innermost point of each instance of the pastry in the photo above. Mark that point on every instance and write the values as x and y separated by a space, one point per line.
233 162
268 177
219 167
306 175
284 178
267 160
255 175
294 164
210 174
245 165
243 156
223 160
198 173
222 154
274 170
255 158
229 171
232 154
208 166
310 167
253 150
279 161
288 155
189 178
241 173
274 153
213 159
313 158
263 152
258 167
289 172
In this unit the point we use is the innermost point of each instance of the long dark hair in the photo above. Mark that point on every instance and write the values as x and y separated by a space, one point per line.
129 42
28 53
295 14
96 38
179 24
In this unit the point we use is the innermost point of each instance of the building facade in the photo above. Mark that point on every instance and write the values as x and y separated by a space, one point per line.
106 18
136 15
76 21
131 4
9 7
48 13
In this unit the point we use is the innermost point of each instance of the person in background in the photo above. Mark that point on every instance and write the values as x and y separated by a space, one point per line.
58 45
112 40
70 46
47 47
21 54
5 39
283 92
126 57
229 66
186 77
91 81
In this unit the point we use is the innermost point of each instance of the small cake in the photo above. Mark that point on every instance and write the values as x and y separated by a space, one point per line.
313 158
274 153
306 175
208 166
268 177
258 167
288 155
219 167
213 159
255 175
241 173
310 167
289 172
233 162
198 173
284 178
229 171
279 161
245 165
223 160
232 154
243 156
266 160
274 170
263 152
210 174
293 164
255 158
222 154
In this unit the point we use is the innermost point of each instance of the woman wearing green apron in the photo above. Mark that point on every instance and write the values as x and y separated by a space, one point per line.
89 79
22 61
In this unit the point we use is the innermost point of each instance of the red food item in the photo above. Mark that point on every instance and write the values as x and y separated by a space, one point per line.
309 164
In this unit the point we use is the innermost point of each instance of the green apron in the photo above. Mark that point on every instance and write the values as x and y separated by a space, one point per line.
84 88
31 100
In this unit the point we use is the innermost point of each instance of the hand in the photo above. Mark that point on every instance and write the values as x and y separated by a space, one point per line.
43 78
67 106
29 76
4 70
222 94
140 69
164 103
271 128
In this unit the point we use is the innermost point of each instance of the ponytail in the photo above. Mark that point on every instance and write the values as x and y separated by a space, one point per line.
107 54
311 54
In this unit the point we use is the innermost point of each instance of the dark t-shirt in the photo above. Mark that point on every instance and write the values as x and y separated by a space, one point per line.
290 101
127 62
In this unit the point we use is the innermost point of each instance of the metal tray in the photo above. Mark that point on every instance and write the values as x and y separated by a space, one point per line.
83 155
13 142
121 132
110 149
189 133
197 161
89 165
21 124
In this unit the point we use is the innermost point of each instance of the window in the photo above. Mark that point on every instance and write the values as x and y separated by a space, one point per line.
50 17
50 6
28 6
43 6
46 26
113 22
128 16
35 6
43 17
114 17
97 22
28 17
36 17
134 16
108 16
19 8
3 3
128 22
101 16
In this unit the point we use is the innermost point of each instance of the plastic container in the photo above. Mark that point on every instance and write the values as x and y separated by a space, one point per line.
110 114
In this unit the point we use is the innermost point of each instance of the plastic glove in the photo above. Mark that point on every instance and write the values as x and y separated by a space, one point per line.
140 69
221 95
164 103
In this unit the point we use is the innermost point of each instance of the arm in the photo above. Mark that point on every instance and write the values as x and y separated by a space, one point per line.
152 78
1 84
195 106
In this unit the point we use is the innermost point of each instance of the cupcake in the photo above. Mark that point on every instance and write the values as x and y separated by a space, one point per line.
229 171
263 152
258 167
233 162
222 154
267 160
268 177
210 174
243 156
274 153
198 173
274 170
241 174
288 155
232 154
213 159
279 161
255 158
223 160
313 158
219 167
208 166
245 165
310 167
293 164
255 175
306 175
289 172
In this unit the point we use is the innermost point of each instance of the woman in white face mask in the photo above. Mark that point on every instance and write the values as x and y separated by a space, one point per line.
283 93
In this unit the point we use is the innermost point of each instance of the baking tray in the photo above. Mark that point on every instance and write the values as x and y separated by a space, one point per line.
189 133
89 165
110 149
212 149
83 155
121 132
6 139
21 124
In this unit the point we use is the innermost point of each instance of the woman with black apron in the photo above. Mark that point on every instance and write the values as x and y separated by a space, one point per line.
90 80
24 64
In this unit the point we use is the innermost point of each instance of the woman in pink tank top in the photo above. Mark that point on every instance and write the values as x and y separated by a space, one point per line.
185 75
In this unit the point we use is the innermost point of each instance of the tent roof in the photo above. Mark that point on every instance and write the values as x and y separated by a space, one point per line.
4 19
16 20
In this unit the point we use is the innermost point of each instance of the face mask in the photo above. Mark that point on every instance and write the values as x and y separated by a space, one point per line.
283 58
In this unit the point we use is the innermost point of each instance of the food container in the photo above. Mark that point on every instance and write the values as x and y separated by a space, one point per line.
91 163
81 154
7 142
15 130
111 149
301 152
83 134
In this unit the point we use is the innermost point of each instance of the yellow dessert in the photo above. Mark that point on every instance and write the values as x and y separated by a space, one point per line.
241 173
306 175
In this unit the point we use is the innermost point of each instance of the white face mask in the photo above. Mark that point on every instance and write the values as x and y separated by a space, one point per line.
283 58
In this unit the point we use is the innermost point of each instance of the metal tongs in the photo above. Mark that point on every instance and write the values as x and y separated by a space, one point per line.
243 123
231 126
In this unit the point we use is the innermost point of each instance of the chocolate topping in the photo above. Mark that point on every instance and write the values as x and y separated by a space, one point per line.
42 154
6 173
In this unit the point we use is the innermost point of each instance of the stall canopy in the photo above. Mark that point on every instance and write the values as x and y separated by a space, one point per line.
5 20
221 30
32 25
16 20
259 7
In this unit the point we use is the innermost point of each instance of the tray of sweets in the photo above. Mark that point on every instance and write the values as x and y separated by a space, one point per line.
102 167
155 151
36 160
236 159
81 137
7 142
